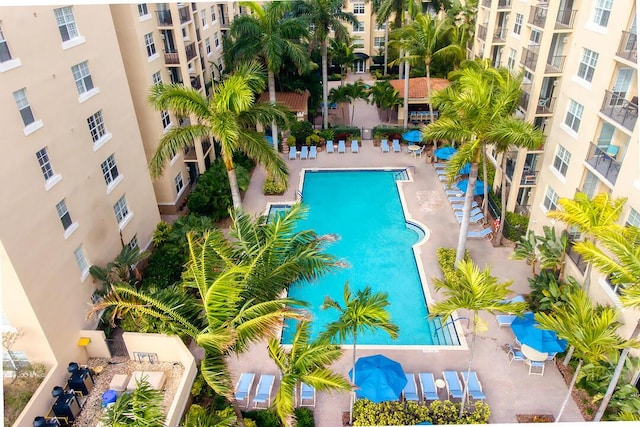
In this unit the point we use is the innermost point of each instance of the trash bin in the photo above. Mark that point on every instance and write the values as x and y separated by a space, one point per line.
109 396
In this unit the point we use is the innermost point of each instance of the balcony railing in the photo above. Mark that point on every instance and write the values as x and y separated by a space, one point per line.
529 58
628 48
190 50
504 4
482 32
184 14
529 177
602 159
164 18
500 35
538 16
565 19
555 64
545 105
621 110
171 58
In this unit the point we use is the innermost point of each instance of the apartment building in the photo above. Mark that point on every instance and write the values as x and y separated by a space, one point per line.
579 59
368 38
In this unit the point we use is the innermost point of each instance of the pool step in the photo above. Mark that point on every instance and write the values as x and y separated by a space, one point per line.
442 335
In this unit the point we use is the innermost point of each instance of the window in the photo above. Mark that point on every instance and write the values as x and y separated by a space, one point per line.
517 26
66 23
511 61
96 126
380 27
121 209
357 44
220 64
24 108
5 53
602 12
561 161
133 243
590 184
358 8
81 260
109 169
574 115
216 40
151 46
45 163
634 219
207 46
166 119
63 214
378 42
534 39
587 64
213 14
527 76
178 183
143 10
550 200
203 18
157 78
82 77
358 28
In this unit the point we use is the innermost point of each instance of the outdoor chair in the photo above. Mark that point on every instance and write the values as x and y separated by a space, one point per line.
263 393
410 392
452 382
307 395
304 152
535 368
341 147
418 153
385 146
515 354
313 152
454 199
292 153
329 146
481 234
474 211
505 319
460 206
474 388
354 146
243 387
428 386
396 146
473 219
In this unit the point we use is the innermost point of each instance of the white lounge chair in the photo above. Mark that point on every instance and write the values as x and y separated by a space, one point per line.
329 146
243 387
505 319
428 386
410 392
313 152
481 234
292 153
307 395
385 146
354 146
454 388
304 152
341 147
474 388
396 146
263 393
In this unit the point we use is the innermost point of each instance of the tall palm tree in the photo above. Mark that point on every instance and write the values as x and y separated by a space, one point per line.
229 117
385 8
385 97
475 291
356 90
229 323
341 95
140 408
305 362
421 41
364 311
588 215
271 34
341 54
590 330
476 109
325 16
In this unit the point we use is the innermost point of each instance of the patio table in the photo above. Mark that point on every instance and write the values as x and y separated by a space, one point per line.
533 354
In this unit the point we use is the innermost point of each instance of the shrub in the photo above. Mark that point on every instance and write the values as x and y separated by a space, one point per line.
346 132
334 77
367 413
446 260
549 293
304 417
301 130
517 225
212 195
18 392
327 134
263 418
273 186
314 139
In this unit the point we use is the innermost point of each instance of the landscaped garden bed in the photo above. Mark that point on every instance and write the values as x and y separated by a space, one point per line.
534 418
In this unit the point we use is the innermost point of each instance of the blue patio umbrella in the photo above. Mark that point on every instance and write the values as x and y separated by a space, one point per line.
412 136
527 331
269 139
478 190
445 153
465 169
378 378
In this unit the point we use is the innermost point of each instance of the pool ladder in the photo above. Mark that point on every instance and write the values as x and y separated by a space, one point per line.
444 334
299 195
400 173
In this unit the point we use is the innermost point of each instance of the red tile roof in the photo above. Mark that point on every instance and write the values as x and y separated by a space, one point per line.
292 100
418 86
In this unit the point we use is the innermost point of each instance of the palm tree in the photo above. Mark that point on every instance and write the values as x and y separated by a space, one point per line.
587 215
229 323
385 97
341 54
590 330
325 16
340 95
356 90
229 117
385 8
421 41
140 408
305 362
271 34
527 249
476 109
366 311
475 291
121 269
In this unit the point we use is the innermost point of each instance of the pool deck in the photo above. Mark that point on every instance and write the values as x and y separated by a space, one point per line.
509 388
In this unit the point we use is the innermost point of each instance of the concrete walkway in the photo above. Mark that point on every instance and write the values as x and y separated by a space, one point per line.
509 388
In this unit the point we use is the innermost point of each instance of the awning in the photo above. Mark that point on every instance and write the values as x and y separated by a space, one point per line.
361 55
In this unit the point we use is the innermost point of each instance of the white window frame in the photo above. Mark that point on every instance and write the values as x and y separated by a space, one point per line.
216 40
213 14
81 262
157 78
633 219
97 127
121 211
64 215
4 47
511 60
133 243
166 119
380 27
143 10
602 12
66 23
203 18
22 103
178 183
358 8
574 115
378 42
359 28
82 77
357 43
207 46
150 46
534 37
110 171
550 202
517 26
587 65
49 174
561 160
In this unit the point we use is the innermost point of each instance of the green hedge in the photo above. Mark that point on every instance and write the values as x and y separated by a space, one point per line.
273 186
367 413
446 260
517 226
349 130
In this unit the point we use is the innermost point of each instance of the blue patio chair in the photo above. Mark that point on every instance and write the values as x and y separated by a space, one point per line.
515 354
533 365
460 206
410 392
474 388
473 219
454 388
474 211
304 152
456 193
263 393
307 395
396 146
505 319
454 199
341 146
243 387
354 146
329 146
313 152
292 153
385 146
428 386
418 153
481 234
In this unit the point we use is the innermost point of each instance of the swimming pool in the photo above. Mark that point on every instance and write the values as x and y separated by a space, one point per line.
364 209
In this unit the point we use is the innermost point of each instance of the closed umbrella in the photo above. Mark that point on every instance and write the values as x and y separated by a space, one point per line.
378 378
527 331
412 136
478 190
445 153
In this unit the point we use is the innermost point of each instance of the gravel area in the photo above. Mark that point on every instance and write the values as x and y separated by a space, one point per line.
107 368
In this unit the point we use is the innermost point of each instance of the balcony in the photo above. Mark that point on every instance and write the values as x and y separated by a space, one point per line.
190 50
620 110
602 159
486 3
529 59
504 4
545 105
565 18
500 36
482 32
184 14
524 100
538 16
555 65
164 18
195 83
628 48
171 58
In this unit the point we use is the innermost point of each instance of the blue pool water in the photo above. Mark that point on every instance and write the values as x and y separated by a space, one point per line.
363 208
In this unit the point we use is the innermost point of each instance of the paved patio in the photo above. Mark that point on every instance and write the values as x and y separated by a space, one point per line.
509 389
